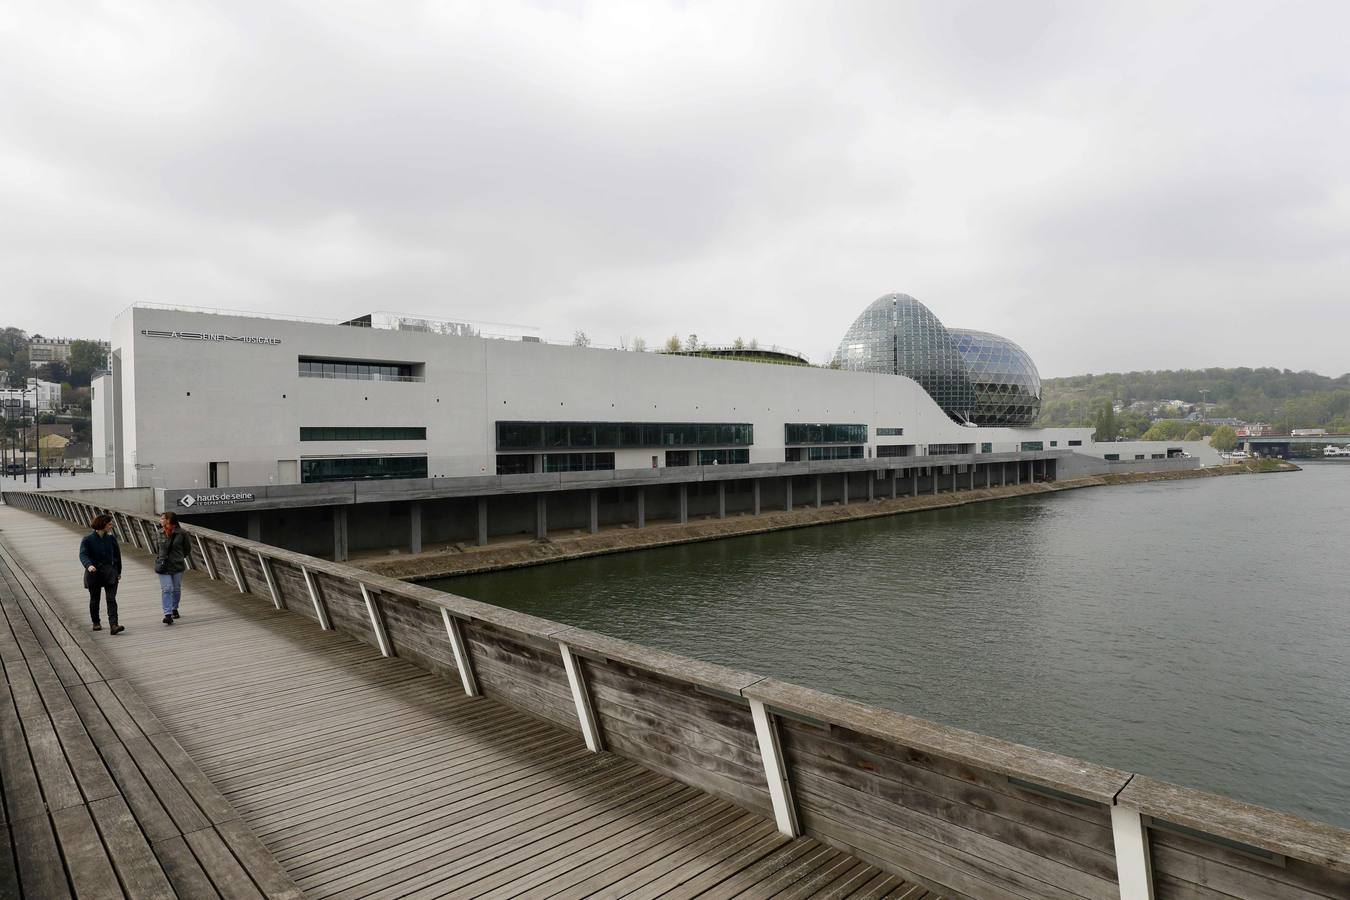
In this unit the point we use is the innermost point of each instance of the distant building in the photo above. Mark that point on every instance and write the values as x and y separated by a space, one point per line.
43 350
1256 429
20 402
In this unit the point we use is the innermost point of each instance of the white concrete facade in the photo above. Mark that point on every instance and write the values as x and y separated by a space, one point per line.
192 388
101 445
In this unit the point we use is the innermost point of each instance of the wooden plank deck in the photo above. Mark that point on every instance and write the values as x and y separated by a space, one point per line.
99 799
365 776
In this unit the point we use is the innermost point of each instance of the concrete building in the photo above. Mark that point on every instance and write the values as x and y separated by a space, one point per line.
43 350
302 432
45 396
102 448
207 400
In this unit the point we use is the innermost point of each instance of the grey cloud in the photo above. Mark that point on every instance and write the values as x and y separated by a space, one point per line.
1042 170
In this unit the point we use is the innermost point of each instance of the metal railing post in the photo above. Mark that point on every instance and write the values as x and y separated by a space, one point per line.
461 650
234 568
376 623
775 770
1134 867
576 679
266 565
206 558
319 610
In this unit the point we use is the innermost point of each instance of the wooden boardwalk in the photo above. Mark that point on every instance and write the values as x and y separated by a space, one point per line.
368 777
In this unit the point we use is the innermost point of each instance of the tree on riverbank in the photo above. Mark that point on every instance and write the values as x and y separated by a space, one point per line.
1223 439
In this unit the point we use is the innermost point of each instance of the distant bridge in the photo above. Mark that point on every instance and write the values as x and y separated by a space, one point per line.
1279 444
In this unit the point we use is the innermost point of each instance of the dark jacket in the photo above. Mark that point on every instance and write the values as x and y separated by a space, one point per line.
171 552
102 552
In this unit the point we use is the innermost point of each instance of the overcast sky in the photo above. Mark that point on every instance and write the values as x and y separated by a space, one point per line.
1113 186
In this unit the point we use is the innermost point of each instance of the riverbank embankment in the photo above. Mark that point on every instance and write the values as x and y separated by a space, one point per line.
473 560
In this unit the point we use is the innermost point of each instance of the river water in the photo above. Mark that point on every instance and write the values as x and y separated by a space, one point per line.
1195 631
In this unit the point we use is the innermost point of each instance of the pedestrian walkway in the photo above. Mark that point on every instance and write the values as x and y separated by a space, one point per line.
369 777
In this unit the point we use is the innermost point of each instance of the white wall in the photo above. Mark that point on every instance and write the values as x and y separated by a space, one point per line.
188 402
1127 450
101 436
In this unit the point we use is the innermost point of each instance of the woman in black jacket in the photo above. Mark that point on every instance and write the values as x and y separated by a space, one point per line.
102 561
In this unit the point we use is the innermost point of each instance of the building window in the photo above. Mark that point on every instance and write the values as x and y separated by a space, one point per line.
578 462
1033 445
1139 456
1054 443
676 458
362 468
986 448
950 449
804 433
370 433
723 457
620 435
1112 457
1160 456
1075 443
885 451
515 464
890 432
360 369
814 454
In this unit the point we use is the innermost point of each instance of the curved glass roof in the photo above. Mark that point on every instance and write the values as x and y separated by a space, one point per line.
974 376
1007 385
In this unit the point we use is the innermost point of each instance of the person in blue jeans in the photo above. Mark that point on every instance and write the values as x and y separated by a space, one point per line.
170 564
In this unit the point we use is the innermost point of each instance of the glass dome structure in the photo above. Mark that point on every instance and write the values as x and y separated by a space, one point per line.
1007 385
973 376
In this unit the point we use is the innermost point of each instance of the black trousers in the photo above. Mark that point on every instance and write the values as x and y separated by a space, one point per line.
111 591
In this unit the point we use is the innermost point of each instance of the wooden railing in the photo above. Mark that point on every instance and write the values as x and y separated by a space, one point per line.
969 816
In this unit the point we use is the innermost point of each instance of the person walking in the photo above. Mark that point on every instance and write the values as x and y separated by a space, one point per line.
102 561
170 563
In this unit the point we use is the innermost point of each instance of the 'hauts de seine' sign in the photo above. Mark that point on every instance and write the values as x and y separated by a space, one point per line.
188 501
203 336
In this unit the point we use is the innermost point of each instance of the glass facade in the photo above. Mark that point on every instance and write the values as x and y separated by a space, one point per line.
898 335
362 468
723 457
620 435
890 432
973 376
889 450
578 462
361 370
363 434
1033 445
1007 385
818 453
804 433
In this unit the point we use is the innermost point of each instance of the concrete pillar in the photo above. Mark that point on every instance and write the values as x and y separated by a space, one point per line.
787 494
255 526
933 473
482 521
895 482
816 479
1003 474
972 476
642 507
871 486
595 511
1017 472
954 476
684 503
846 489
415 526
540 516
340 533
914 482
988 475
721 499
755 490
